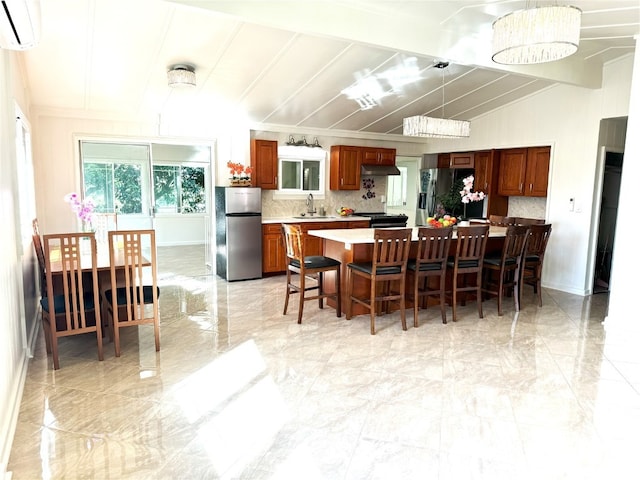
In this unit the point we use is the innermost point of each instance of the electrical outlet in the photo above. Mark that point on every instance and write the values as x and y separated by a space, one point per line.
383 199
572 204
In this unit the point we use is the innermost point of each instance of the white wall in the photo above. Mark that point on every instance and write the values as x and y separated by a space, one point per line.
13 351
568 119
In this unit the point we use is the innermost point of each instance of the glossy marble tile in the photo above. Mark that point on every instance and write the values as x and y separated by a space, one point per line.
239 391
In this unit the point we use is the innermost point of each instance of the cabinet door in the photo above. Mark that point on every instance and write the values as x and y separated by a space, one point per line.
345 168
370 156
461 160
513 165
273 254
444 160
378 156
264 162
537 176
483 173
357 224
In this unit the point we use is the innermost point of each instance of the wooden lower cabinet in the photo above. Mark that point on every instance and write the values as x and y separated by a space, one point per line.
273 253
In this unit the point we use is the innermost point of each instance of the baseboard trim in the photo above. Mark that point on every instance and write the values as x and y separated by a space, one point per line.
10 420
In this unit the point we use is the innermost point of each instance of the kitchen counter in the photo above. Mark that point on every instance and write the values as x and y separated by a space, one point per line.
365 235
356 245
314 218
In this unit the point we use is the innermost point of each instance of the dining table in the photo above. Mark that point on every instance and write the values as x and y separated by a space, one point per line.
356 245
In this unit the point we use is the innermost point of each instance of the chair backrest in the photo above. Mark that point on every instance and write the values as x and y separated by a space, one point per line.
471 244
529 221
37 246
501 221
538 239
293 243
133 254
391 248
433 245
65 255
515 243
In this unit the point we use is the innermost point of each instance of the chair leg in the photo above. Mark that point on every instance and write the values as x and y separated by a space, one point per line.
454 298
349 291
479 293
47 336
372 306
500 292
443 310
538 271
54 351
416 299
338 294
320 289
286 297
403 316
116 334
301 300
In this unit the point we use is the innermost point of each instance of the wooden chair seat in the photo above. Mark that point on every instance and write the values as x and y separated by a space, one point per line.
134 300
430 264
534 257
504 270
389 264
467 264
72 303
308 267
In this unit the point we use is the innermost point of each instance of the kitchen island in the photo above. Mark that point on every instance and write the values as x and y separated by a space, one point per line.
356 245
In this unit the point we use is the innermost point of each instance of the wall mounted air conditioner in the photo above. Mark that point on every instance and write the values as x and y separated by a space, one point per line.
19 24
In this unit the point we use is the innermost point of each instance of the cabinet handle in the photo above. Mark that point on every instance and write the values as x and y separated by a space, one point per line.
521 187
531 187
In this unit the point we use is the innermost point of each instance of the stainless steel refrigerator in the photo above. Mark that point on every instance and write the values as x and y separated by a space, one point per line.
238 233
436 182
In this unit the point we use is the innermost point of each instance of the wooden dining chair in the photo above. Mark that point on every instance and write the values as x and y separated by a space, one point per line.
132 297
467 263
430 263
39 250
308 267
534 257
501 220
529 221
389 264
72 303
504 270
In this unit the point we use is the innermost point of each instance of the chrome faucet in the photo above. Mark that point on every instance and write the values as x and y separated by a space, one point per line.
310 209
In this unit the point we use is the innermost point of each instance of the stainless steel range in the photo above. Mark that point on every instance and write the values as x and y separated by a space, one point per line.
383 220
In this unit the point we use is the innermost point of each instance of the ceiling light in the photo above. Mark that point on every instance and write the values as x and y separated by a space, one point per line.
423 126
181 76
536 35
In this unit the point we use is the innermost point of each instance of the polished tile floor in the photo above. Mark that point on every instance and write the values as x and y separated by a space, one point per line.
239 391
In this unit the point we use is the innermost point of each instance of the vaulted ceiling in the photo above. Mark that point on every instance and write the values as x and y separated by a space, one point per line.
289 63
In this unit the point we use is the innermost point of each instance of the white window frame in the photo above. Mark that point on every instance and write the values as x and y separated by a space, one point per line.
301 154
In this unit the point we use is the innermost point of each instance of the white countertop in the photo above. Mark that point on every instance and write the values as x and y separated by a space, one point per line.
365 235
314 218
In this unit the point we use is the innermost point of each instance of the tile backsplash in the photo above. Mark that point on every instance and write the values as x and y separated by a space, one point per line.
333 199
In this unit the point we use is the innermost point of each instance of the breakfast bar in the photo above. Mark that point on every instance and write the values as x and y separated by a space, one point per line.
356 245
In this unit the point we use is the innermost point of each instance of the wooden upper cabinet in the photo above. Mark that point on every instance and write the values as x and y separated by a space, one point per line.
378 156
345 167
456 160
264 163
444 160
524 171
537 177
486 180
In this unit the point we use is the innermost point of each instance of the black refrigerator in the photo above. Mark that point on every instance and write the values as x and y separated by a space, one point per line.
238 233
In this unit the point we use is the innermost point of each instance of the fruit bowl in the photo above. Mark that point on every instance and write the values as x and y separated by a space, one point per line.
345 211
446 221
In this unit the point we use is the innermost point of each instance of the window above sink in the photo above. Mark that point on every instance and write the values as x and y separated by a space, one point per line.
301 170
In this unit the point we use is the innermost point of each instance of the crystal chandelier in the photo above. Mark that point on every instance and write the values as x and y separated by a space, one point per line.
423 126
536 35
181 76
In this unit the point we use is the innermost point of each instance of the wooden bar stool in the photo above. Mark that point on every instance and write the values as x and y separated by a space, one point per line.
430 262
308 267
470 248
534 257
389 263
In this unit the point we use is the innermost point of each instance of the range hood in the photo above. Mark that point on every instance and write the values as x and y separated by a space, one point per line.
379 170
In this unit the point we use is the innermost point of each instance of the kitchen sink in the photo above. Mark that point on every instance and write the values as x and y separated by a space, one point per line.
314 216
